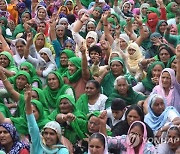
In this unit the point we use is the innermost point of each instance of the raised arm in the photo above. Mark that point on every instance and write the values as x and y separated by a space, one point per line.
103 120
52 31
27 96
5 46
14 94
84 64
29 43
178 63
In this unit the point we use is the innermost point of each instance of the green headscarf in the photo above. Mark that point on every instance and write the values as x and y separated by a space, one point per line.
75 130
170 61
21 123
160 22
170 14
147 82
155 10
131 98
5 111
82 104
5 21
52 95
78 74
69 54
32 72
28 77
42 99
11 66
108 81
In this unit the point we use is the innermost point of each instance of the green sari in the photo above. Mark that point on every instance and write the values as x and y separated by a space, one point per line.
147 81
170 14
32 72
69 54
11 66
52 95
21 123
82 104
74 130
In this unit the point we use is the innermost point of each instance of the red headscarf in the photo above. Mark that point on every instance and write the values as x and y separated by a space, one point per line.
152 21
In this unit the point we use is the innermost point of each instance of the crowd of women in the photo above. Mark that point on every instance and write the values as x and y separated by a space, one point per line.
90 77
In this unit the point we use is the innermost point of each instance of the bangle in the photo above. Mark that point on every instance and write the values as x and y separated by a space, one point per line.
4 80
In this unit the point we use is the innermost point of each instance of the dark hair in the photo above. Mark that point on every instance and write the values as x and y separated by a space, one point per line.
95 48
98 136
19 40
139 125
118 104
138 109
168 49
95 83
175 128
71 18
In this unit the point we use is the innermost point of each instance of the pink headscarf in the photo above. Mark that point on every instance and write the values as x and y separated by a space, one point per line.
130 148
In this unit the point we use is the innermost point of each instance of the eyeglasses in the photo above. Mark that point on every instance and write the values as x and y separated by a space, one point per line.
93 123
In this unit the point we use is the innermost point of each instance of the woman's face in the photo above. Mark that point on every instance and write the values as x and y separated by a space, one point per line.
91 89
64 60
164 55
64 23
4 61
96 146
69 46
126 8
35 112
71 68
60 32
53 82
174 65
50 137
5 137
34 95
163 27
69 5
41 14
63 10
96 13
91 27
25 68
21 81
173 139
133 116
3 6
115 18
2 23
144 10
20 47
131 51
93 125
135 136
135 25
174 7
116 68
122 87
65 106
166 80
156 71
76 9
123 44
89 41
25 17
40 41
44 56
158 106
41 28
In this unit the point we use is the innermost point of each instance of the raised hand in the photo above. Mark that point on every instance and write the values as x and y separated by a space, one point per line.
28 93
29 37
85 17
103 117
138 19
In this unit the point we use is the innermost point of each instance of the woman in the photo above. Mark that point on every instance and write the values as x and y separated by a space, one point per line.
69 117
133 113
69 44
160 116
28 67
171 8
161 27
107 78
40 41
172 141
49 141
134 142
123 89
92 100
152 78
97 139
169 88
7 62
78 73
10 142
55 87
134 56
41 15
65 55
143 11
20 45
172 63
